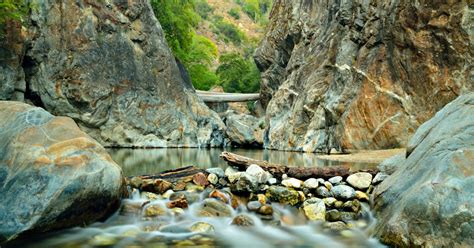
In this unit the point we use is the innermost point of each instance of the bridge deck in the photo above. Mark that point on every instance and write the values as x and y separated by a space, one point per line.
208 96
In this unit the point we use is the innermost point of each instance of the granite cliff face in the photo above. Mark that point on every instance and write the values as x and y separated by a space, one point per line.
361 74
106 65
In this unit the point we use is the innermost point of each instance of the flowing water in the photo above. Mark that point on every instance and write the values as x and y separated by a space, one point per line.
288 228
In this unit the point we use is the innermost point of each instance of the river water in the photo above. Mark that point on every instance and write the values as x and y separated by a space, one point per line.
172 230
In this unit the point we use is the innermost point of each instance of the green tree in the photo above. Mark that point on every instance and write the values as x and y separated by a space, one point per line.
237 74
12 10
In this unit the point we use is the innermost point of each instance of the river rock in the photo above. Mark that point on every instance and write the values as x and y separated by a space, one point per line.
244 184
202 227
244 130
154 210
265 210
200 179
314 209
292 183
335 180
260 175
243 220
429 200
52 175
360 74
253 205
323 192
213 178
108 67
360 180
311 183
216 170
379 177
213 208
283 195
343 192
333 215
353 206
329 202
359 195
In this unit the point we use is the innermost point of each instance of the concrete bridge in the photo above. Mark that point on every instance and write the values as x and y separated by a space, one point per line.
208 96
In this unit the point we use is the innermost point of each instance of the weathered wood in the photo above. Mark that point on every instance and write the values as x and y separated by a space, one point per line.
207 96
174 175
278 170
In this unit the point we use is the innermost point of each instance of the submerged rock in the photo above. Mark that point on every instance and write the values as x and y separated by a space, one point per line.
214 208
429 199
52 175
243 220
202 227
343 192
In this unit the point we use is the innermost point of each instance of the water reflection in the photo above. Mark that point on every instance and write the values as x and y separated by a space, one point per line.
152 161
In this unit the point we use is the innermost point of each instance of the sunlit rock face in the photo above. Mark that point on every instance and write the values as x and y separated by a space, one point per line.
361 74
106 64
429 200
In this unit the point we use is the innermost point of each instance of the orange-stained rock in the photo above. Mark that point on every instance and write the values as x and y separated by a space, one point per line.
52 175
344 75
200 179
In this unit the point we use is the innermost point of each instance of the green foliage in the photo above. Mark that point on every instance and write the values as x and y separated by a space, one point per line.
12 10
203 78
203 8
178 19
234 12
228 31
238 74
256 9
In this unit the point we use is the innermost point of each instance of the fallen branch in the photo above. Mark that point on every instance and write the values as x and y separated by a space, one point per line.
175 175
242 163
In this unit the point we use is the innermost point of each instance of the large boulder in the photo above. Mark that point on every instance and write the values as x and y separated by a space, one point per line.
106 64
429 199
52 175
244 130
361 74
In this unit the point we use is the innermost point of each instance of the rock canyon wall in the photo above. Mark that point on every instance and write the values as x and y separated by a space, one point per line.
105 64
364 74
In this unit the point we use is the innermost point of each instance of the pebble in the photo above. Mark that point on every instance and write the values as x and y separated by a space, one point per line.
329 202
260 175
262 199
333 215
178 203
314 209
213 208
253 205
360 180
213 178
338 204
335 180
311 183
244 184
265 210
200 179
343 192
150 196
353 206
336 226
154 210
283 195
328 185
272 181
292 183
217 171
167 194
216 194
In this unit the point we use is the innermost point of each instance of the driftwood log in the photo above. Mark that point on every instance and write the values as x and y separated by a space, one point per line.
177 175
242 163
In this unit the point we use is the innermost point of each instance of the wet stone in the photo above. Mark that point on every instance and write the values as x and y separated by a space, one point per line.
335 180
265 210
217 171
361 196
243 220
336 226
136 182
253 205
343 192
292 183
328 185
200 179
311 183
217 194
130 207
173 228
314 209
353 206
360 180
150 196
329 202
244 184
348 216
323 192
154 210
283 195
260 175
178 203
333 215
179 186
214 208
272 181
212 178
202 227
379 177
338 204
223 182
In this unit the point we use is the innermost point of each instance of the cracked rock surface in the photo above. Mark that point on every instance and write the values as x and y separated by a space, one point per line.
342 75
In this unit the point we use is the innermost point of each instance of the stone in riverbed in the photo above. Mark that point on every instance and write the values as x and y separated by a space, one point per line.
178 203
343 192
359 195
216 170
217 194
333 215
329 202
243 220
52 175
311 183
314 209
292 183
336 226
158 186
214 208
213 178
360 180
282 195
154 210
244 184
328 185
200 179
202 227
265 210
323 192
379 178
272 181
253 205
136 182
260 175
335 180
353 206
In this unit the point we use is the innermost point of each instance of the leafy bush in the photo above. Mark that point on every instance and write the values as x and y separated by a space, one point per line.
234 12
228 30
12 10
238 74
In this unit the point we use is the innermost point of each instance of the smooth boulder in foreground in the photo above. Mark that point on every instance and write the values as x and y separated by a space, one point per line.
429 200
52 175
